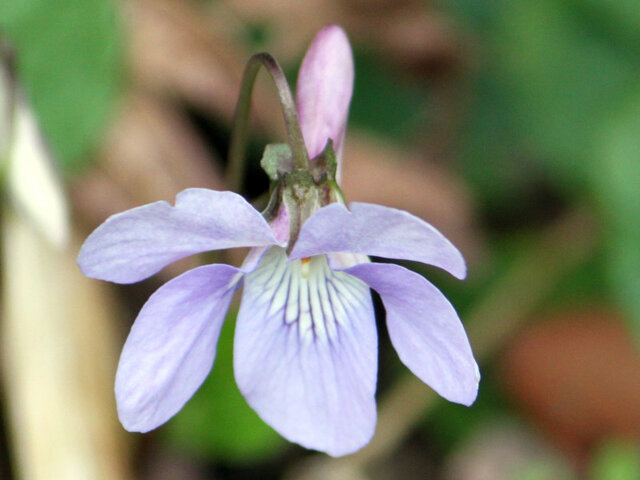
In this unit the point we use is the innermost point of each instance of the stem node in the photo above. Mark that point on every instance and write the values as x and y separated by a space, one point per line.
239 134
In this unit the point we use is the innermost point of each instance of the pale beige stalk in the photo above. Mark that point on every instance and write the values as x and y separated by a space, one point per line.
57 333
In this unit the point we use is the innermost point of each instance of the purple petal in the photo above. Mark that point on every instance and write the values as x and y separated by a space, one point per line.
325 85
172 345
135 244
425 330
376 230
305 353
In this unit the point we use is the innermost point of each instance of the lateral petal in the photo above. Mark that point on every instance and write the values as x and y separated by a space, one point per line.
425 330
172 345
371 229
325 85
135 244
305 353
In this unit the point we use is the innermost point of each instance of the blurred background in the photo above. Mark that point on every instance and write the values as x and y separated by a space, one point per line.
512 126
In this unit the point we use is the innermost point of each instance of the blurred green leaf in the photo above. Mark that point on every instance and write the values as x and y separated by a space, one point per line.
564 75
383 103
217 422
549 73
492 151
619 19
616 460
584 284
544 471
616 181
477 14
452 423
69 59
624 272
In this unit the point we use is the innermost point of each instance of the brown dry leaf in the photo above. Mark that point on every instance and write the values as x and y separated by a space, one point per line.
407 31
96 196
379 173
154 152
578 374
174 51
411 35
182 50
150 153
291 25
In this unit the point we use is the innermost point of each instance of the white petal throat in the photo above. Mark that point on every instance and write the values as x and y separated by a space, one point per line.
306 294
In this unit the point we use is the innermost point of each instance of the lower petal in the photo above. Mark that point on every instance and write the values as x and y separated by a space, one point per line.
305 353
425 330
172 345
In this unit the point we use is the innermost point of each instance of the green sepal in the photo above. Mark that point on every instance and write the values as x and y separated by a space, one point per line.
277 160
325 165
275 200
301 196
301 190
335 193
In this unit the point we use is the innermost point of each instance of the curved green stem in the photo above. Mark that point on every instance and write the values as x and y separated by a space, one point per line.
239 134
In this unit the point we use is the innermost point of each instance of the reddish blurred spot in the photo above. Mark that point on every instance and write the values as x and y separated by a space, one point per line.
578 375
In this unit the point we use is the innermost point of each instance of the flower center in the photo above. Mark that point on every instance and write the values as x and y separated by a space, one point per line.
306 295
304 266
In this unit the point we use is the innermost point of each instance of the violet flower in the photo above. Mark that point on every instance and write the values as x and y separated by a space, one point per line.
306 348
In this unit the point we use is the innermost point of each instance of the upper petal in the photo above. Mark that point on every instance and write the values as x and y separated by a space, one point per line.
172 345
325 85
135 244
376 230
305 353
425 330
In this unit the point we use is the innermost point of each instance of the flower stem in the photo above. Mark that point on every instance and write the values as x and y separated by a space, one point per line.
237 149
